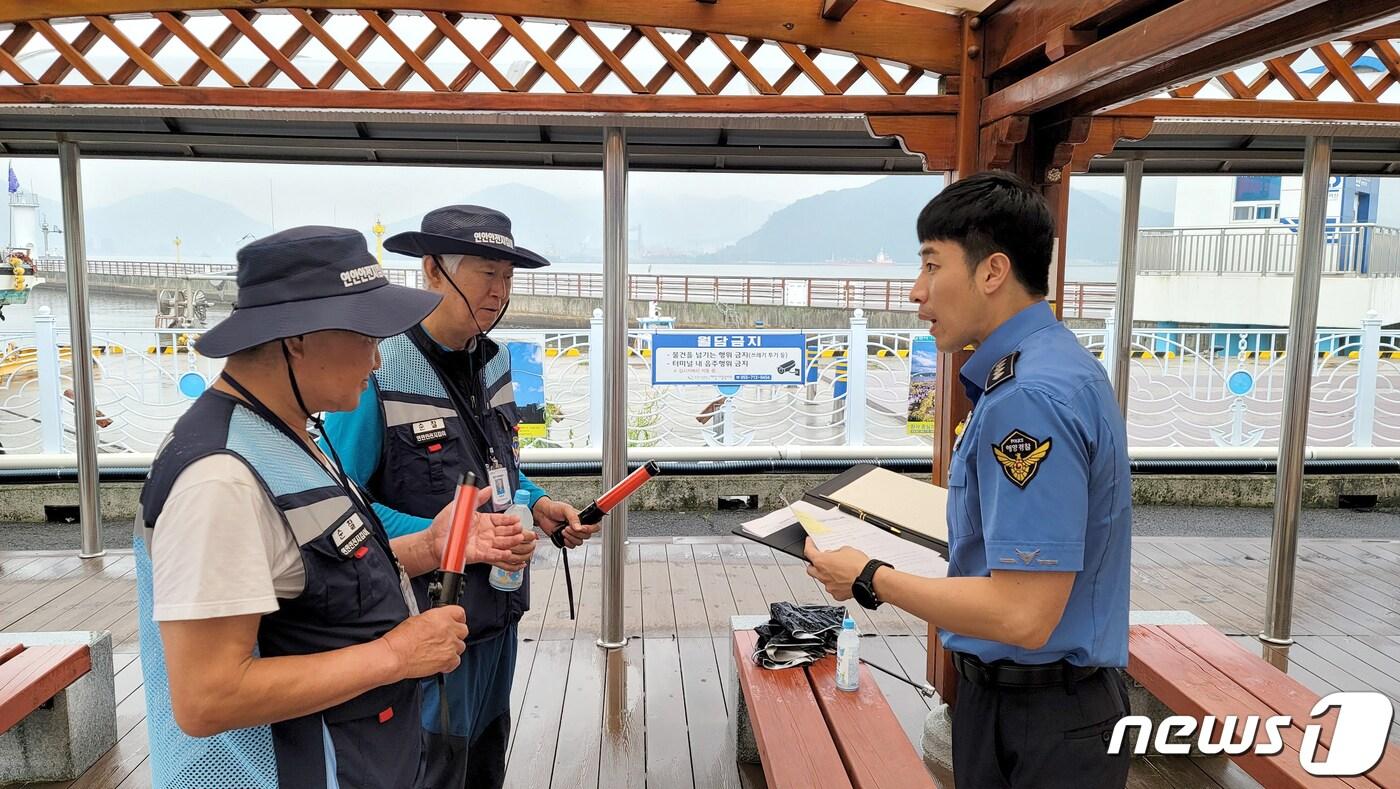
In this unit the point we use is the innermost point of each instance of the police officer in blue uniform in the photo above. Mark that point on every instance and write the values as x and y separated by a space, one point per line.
1035 606
280 644
441 404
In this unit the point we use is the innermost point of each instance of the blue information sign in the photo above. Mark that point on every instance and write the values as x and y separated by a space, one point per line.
680 358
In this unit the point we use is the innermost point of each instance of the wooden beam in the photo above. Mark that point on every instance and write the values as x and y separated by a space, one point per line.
894 31
1280 39
468 102
835 10
1018 32
1381 33
1261 109
1104 135
1064 41
933 137
1191 39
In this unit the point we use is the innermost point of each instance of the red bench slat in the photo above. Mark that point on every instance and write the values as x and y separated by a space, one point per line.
10 651
792 735
873 745
1286 695
1189 685
37 674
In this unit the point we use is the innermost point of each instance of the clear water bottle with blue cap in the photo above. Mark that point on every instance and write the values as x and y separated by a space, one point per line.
848 656
508 580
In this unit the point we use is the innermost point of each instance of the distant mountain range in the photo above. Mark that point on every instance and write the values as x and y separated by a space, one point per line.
148 224
857 224
843 225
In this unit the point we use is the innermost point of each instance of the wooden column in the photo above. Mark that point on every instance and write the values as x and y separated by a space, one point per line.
951 404
1041 150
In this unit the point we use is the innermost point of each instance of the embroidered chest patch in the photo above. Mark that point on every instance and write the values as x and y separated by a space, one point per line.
1020 456
350 535
428 431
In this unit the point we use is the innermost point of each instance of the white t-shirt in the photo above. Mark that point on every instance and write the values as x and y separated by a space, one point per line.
220 547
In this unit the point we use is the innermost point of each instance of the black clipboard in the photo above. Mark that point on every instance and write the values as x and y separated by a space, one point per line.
792 539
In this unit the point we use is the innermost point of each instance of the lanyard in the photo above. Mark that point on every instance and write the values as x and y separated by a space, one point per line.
459 391
357 496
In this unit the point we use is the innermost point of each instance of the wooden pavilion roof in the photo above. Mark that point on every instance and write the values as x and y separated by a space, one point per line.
843 85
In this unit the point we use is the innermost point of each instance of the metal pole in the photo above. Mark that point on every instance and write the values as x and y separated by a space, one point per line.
597 379
615 399
857 360
84 404
1127 282
1367 375
50 382
1302 338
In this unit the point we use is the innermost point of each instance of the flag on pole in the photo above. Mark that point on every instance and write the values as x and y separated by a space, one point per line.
14 181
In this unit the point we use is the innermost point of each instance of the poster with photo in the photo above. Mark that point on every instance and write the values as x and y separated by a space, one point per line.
923 372
527 372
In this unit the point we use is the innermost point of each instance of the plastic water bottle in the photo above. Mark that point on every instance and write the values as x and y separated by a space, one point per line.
848 656
506 580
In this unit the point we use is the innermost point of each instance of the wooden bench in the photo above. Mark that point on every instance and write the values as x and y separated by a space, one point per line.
30 676
811 734
1195 670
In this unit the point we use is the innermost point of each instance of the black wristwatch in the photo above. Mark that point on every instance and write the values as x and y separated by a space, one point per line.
863 590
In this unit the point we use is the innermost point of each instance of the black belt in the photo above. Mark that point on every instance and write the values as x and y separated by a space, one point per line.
1016 675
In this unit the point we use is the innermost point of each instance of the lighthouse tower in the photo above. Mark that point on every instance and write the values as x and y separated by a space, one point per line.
24 219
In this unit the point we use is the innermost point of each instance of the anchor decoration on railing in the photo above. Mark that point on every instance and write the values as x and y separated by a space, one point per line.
1240 383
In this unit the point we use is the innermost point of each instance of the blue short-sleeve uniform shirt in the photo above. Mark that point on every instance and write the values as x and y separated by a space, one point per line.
1040 482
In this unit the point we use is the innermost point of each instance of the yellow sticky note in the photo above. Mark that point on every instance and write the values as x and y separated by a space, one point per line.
809 522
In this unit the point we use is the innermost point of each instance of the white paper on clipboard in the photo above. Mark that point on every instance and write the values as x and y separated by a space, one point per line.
904 502
840 530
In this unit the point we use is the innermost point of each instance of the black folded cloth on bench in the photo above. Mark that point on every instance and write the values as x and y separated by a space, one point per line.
797 634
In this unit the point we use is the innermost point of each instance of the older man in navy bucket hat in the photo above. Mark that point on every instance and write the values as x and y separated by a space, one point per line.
442 404
280 644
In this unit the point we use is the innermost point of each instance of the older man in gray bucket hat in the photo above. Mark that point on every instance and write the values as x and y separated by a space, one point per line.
442 404
280 643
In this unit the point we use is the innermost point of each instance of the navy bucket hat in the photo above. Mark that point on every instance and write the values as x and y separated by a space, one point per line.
465 230
309 279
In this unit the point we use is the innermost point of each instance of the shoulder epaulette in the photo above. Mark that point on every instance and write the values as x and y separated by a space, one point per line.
1004 370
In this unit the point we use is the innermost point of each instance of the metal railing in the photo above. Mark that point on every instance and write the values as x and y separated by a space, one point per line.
1350 249
1193 388
136 268
1082 299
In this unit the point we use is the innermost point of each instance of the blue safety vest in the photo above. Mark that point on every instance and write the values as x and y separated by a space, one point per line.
353 594
446 413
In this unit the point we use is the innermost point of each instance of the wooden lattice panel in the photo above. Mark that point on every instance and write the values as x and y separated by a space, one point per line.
212 55
1358 71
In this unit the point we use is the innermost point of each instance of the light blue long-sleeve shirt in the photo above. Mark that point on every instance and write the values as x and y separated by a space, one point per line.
358 438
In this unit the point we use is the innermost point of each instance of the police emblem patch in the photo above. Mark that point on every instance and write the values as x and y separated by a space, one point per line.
1020 456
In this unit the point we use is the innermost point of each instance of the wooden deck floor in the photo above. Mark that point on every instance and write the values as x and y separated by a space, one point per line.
672 677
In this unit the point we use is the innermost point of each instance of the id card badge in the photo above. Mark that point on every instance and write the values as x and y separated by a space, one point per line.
500 486
406 588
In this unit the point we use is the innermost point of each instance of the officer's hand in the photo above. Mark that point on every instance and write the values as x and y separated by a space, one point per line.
520 554
836 570
492 537
553 515
430 643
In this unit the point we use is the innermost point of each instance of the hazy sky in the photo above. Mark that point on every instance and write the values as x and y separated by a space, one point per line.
354 196
349 195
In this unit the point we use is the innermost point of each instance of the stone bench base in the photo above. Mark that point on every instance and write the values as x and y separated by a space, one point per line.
60 741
